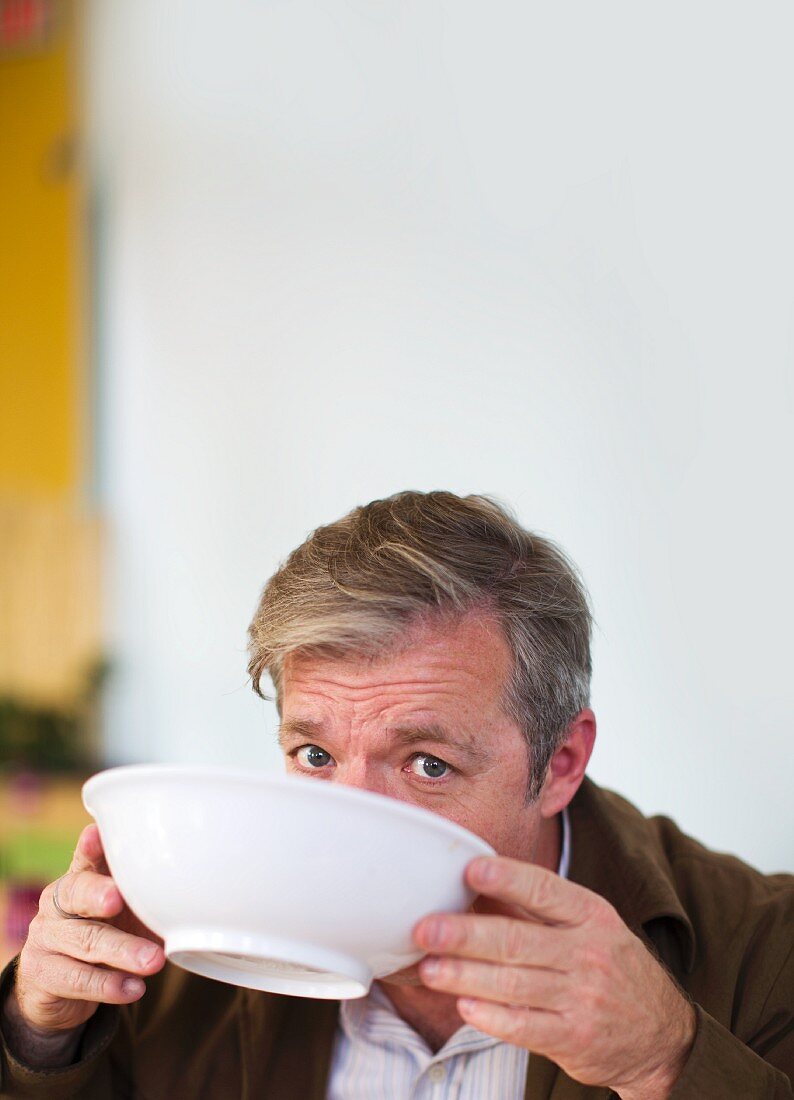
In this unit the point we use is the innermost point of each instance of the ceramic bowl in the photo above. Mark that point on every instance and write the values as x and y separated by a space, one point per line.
282 883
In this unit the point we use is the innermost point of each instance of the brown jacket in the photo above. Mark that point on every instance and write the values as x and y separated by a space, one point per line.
724 930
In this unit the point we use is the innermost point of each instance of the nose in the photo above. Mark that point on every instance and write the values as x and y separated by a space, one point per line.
365 776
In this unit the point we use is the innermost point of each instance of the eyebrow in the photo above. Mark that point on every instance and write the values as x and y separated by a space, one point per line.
297 728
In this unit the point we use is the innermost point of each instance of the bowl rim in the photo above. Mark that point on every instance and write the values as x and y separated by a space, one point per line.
116 775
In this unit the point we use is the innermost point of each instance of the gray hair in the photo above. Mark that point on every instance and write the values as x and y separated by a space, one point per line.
355 586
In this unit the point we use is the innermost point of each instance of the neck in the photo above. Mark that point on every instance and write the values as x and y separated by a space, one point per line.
548 851
434 1016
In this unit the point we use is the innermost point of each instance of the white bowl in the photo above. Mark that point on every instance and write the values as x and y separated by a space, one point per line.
287 884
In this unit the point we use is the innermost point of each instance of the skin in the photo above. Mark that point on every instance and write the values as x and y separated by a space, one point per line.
539 961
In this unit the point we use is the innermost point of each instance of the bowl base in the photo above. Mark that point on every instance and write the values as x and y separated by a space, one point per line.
269 963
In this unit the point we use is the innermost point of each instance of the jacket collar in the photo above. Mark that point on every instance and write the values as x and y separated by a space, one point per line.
619 854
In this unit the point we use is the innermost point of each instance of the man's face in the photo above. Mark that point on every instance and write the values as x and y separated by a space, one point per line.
424 726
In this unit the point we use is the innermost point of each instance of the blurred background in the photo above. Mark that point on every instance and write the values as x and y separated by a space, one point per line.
262 262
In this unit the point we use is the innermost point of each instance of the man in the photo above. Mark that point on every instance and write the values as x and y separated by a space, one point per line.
429 648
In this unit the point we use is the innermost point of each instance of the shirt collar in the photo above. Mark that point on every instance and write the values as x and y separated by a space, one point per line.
565 854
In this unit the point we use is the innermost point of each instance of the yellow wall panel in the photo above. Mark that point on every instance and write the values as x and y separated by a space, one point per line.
41 277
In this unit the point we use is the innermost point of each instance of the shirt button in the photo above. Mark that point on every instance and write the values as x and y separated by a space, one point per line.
436 1073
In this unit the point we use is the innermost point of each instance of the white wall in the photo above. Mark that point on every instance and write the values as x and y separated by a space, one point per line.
543 251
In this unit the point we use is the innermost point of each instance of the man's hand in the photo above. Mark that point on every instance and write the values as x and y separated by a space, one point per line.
67 967
563 976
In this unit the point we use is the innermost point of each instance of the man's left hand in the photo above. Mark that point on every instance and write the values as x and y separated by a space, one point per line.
561 975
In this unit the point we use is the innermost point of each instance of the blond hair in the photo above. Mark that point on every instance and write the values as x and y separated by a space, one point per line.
356 586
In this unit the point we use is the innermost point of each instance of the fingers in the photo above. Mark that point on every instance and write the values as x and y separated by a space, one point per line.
495 939
85 894
527 1027
89 855
101 944
68 966
521 986
72 980
542 893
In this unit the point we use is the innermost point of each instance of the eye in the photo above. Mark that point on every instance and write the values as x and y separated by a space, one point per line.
429 767
312 756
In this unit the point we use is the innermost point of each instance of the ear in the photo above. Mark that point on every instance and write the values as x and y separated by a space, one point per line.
567 766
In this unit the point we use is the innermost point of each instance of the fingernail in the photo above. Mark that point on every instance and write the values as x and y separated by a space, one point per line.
485 871
435 932
146 955
131 987
430 968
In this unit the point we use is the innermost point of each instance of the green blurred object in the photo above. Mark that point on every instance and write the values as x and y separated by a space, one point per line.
48 740
42 739
35 856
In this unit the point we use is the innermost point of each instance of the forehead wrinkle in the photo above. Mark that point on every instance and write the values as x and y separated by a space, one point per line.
371 698
408 669
318 682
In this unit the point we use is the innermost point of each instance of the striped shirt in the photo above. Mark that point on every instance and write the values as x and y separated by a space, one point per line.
378 1055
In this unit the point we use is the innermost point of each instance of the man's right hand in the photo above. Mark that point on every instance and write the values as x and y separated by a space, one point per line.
68 967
